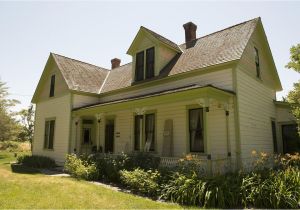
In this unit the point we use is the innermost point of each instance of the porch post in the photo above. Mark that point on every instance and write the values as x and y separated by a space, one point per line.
141 112
77 135
205 102
226 108
99 119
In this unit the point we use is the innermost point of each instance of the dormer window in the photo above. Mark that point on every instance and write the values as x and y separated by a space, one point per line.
257 62
144 67
52 86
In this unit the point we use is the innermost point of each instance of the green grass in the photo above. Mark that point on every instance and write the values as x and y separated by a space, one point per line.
34 190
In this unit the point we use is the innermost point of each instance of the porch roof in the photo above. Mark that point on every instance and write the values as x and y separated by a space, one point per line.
189 92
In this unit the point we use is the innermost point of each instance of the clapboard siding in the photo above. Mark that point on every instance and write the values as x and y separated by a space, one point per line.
58 108
221 79
256 109
61 87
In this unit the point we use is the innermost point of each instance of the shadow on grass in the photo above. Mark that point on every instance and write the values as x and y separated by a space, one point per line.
17 168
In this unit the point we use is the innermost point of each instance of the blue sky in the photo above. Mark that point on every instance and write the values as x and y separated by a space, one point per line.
98 31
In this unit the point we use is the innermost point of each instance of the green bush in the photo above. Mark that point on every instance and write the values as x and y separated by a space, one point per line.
144 160
9 145
217 192
141 181
272 189
36 161
80 169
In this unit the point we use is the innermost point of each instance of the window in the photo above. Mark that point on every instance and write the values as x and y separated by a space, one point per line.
137 133
150 62
149 131
196 130
146 124
273 124
49 134
257 62
139 69
52 84
144 67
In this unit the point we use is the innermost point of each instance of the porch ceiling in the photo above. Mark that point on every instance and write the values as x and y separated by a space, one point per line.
162 97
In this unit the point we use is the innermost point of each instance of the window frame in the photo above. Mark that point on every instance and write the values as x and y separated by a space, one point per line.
150 63
145 75
274 135
202 110
47 134
140 72
257 63
142 144
52 86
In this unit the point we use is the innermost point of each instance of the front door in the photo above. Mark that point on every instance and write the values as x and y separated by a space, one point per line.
109 136
291 139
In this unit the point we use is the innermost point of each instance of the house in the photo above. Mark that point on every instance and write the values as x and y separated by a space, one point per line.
214 96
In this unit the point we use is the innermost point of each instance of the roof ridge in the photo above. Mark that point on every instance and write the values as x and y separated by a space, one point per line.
79 61
122 65
157 34
257 18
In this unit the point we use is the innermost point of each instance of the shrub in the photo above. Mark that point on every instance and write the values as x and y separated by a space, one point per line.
109 166
80 169
144 160
272 189
9 145
218 192
36 161
141 181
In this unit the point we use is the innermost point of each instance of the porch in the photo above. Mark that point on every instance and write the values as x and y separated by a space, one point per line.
197 121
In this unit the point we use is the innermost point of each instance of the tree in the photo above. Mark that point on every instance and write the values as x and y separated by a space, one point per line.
294 95
9 127
27 121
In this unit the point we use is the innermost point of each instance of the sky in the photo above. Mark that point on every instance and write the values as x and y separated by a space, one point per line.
97 31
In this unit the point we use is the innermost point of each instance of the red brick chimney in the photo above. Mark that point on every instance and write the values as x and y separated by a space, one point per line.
190 31
115 63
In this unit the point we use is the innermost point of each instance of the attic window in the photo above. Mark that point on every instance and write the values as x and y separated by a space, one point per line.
257 62
52 85
144 66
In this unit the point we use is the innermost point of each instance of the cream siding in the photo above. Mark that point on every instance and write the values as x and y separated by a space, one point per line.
221 79
58 108
256 109
61 87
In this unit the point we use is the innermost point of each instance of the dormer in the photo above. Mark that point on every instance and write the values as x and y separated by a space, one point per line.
150 53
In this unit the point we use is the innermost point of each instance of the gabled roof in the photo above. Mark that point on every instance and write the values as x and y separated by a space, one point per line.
80 76
162 39
143 30
220 47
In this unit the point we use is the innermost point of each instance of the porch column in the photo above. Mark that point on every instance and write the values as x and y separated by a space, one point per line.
205 102
77 135
226 109
99 118
141 112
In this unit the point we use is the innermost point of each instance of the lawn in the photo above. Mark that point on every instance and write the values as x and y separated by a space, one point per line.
35 190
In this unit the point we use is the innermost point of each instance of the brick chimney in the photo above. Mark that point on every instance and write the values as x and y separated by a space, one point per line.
190 31
115 63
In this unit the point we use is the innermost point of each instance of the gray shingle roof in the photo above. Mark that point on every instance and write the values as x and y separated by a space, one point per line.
216 48
80 76
163 39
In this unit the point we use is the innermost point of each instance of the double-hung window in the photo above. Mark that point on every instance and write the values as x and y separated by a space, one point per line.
257 65
196 130
52 86
49 134
144 64
144 132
